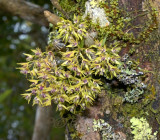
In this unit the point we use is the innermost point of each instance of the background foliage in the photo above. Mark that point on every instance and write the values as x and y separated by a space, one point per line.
18 37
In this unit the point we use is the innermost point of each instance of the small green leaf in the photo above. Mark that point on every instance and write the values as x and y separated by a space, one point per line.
5 94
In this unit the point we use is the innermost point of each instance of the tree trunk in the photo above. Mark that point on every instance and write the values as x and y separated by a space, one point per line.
103 109
43 123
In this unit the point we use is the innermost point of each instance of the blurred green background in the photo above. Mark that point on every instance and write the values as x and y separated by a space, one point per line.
17 37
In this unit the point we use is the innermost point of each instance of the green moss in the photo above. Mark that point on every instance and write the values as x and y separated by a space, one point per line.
73 7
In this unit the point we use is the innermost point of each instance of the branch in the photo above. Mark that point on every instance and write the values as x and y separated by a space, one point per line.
57 5
43 123
52 18
25 10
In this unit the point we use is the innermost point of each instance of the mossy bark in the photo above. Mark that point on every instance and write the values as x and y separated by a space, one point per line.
110 108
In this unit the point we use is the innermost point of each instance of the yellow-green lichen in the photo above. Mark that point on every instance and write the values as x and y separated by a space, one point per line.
141 129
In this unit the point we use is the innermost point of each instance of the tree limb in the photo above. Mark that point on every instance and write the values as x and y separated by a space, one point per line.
25 10
43 123
57 5
52 18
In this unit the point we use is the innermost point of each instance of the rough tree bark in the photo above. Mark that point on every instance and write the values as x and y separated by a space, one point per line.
85 121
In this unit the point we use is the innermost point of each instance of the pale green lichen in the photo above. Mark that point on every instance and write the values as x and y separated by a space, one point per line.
96 13
131 79
105 130
141 130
